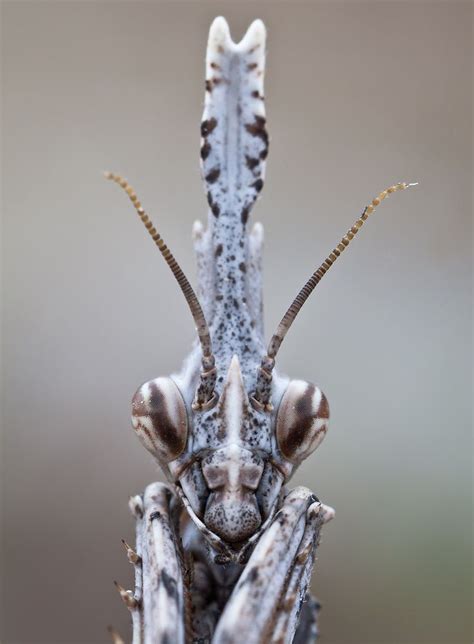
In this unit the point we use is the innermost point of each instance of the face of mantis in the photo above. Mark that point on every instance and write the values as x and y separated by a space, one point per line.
230 460
229 430
231 455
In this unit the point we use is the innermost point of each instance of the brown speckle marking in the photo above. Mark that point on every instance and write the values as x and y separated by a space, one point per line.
256 94
242 267
219 249
213 205
251 67
208 86
215 65
208 126
205 150
258 185
251 162
213 175
257 128
244 215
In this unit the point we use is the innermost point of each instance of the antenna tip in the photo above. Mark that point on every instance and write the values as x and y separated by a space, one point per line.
414 183
108 175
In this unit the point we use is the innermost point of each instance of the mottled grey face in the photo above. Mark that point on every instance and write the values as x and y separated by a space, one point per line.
230 483
232 468
232 475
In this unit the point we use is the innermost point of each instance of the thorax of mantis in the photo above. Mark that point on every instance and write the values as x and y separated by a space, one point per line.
225 551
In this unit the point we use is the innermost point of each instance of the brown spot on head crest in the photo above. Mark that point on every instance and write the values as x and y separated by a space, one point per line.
213 205
251 162
257 128
213 175
208 126
205 150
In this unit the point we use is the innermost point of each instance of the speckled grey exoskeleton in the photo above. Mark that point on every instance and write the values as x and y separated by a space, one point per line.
225 551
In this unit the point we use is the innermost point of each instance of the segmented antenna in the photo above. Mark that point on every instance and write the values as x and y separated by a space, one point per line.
263 387
205 391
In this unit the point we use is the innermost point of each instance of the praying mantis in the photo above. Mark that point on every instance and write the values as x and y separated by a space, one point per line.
224 551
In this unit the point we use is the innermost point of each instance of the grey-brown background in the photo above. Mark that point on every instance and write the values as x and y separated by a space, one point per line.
359 94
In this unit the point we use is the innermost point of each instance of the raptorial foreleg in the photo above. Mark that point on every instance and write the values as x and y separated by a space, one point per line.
292 610
160 615
266 602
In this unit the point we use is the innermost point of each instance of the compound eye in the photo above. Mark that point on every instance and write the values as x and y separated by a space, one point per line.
159 418
302 420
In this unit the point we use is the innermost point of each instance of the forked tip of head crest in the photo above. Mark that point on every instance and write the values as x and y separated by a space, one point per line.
220 36
254 36
219 33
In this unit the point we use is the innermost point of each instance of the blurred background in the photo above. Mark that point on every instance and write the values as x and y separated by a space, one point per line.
359 95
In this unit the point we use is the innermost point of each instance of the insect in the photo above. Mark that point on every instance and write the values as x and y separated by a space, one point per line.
225 551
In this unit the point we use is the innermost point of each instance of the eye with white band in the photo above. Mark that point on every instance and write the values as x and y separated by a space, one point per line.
302 420
160 420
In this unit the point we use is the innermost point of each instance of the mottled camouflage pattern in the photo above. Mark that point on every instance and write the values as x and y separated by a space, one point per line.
235 564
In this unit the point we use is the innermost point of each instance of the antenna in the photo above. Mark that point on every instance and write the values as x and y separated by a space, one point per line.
262 395
205 396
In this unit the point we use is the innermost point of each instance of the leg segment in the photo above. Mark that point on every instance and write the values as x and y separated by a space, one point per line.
266 602
291 604
161 618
